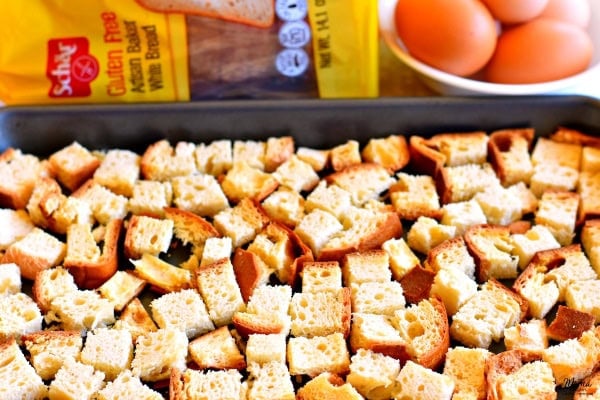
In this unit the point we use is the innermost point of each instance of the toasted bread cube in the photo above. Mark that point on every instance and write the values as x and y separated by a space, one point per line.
466 367
73 165
363 181
414 196
277 151
296 175
345 155
463 148
262 349
500 205
285 206
215 158
81 310
75 380
60 212
150 198
330 198
35 252
377 333
183 310
18 379
590 159
581 295
402 258
121 288
509 152
19 315
565 154
161 274
250 152
558 212
569 323
391 152
245 181
10 279
161 162
416 381
501 309
105 204
312 356
316 228
225 385
590 239
462 182
588 189
427 233
424 327
147 235
43 200
366 266
49 349
536 239
274 247
156 353
135 319
51 283
242 222
373 374
21 173
17 225
321 314
217 350
463 215
199 193
377 297
320 276
108 350
328 386
533 380
453 287
270 381
119 171
572 360
551 176
127 386
452 254
318 159
491 248
218 286
530 338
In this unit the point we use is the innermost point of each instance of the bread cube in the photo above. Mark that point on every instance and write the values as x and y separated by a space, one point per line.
500 205
391 152
377 297
150 198
10 279
21 173
224 385
296 175
216 349
569 323
246 181
262 349
529 338
345 155
492 250
463 215
81 310
559 153
552 176
270 381
18 379
576 267
453 287
183 310
330 198
590 239
320 276
373 374
537 238
127 386
242 222
51 283
509 154
75 381
321 313
533 380
466 367
161 274
35 252
273 245
251 152
17 224
119 170
541 293
452 254
572 360
590 159
49 349
199 193
363 181
135 319
588 189
426 233
366 266
285 206
328 386
402 259
105 204
19 315
73 165
316 228
215 158
162 162
318 159
278 150
156 353
147 235
108 350
418 382
414 196
377 333
313 356
121 288
581 295
462 182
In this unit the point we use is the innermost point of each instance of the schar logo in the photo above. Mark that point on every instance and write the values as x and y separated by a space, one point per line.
70 67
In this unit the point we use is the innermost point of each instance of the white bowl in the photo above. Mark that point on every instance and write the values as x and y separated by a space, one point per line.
448 84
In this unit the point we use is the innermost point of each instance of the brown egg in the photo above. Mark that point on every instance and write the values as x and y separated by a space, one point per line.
539 51
576 12
515 11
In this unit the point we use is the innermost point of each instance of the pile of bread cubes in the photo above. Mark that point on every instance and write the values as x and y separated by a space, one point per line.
455 266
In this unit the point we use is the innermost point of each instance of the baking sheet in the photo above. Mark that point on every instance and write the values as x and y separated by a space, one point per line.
314 123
